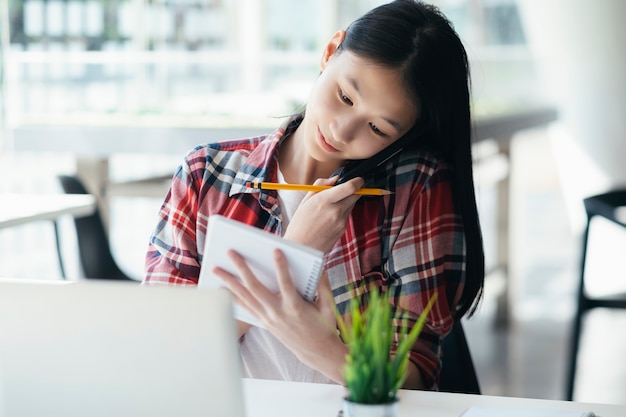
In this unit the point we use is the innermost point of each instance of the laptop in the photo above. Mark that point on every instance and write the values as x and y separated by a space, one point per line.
117 349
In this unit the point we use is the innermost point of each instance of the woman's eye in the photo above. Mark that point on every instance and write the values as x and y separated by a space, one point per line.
377 130
345 98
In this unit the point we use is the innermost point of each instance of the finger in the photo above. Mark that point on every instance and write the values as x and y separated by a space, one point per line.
345 191
320 181
288 290
359 182
335 194
325 297
326 181
239 292
338 193
247 277
325 301
255 296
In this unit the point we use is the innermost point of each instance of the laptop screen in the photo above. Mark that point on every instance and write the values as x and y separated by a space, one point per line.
117 349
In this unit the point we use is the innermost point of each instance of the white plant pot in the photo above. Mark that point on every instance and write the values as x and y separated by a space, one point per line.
351 409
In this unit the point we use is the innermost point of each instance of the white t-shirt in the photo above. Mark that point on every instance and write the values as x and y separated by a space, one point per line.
262 355
289 201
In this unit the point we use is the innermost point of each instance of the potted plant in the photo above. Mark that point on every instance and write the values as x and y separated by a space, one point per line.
372 374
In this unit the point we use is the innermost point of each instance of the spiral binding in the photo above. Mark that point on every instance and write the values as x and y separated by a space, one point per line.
311 286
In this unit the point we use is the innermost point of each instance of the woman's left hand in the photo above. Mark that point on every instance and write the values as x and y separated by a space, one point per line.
306 328
330 207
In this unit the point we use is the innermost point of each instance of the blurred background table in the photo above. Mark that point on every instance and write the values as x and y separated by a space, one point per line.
18 209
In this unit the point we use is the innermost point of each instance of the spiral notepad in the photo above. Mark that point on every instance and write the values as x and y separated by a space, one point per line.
257 246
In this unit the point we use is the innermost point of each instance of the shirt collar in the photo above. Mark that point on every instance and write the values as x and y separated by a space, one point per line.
262 163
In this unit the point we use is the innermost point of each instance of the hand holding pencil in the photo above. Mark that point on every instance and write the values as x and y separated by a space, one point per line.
320 219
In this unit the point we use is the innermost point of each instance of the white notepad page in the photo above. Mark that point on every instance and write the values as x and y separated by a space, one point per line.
257 246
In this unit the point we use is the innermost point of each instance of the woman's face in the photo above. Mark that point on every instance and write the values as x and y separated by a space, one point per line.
356 109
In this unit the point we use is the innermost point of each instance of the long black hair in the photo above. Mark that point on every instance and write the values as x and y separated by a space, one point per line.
419 40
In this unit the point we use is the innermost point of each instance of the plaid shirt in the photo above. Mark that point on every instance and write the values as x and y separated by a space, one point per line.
410 243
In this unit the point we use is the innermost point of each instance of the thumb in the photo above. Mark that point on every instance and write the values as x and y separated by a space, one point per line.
325 299
326 181
321 181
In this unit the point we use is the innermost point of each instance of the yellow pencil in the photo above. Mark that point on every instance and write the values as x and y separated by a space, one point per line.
316 188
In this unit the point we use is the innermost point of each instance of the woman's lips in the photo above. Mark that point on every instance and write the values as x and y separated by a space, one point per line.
325 145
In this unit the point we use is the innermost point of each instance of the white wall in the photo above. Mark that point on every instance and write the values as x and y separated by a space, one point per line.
579 47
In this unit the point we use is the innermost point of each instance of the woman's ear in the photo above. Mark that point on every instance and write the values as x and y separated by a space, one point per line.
331 47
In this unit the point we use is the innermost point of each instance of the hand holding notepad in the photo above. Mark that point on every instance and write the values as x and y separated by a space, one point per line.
257 246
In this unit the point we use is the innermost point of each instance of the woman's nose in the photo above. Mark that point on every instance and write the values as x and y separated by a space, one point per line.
343 129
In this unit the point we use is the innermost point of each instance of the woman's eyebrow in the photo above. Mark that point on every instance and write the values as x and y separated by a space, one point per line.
353 82
393 123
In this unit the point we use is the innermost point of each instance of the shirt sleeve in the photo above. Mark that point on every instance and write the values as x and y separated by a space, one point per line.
428 257
172 256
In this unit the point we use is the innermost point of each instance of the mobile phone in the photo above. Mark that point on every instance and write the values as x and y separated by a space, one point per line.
359 168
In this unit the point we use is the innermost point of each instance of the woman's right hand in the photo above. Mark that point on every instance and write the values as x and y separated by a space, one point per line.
321 218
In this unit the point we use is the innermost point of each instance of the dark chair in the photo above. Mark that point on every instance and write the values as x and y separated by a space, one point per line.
95 254
457 372
611 206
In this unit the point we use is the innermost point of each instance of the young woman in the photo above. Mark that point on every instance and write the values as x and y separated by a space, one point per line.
399 73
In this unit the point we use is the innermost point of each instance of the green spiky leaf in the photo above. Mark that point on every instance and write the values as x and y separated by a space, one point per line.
371 373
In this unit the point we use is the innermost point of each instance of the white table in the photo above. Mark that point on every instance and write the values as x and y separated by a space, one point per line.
288 399
18 209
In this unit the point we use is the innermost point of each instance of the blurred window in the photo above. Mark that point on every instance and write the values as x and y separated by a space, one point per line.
503 72
207 62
